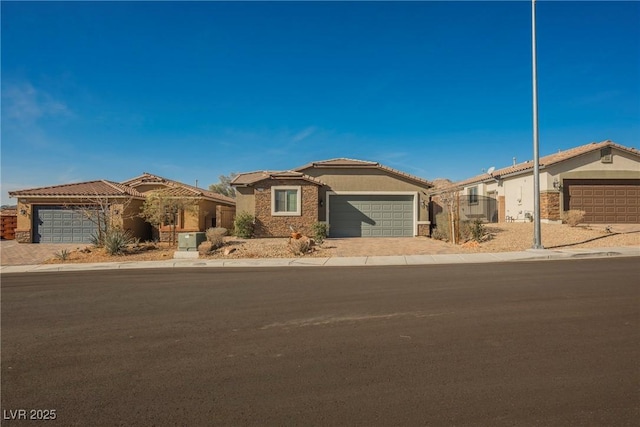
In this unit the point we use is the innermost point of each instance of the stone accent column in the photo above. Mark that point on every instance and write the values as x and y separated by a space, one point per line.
23 236
550 205
502 209
423 229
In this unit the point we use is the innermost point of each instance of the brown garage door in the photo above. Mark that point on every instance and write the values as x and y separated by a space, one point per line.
604 201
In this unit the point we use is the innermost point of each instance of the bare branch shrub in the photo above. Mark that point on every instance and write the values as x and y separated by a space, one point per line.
573 217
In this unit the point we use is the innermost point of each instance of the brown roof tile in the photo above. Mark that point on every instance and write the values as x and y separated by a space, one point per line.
100 188
178 189
249 178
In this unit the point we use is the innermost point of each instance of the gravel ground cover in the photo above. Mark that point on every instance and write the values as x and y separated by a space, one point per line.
505 237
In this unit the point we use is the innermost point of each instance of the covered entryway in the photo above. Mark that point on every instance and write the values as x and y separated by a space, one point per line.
60 224
604 200
371 215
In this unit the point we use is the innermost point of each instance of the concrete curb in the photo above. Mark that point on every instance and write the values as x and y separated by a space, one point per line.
397 260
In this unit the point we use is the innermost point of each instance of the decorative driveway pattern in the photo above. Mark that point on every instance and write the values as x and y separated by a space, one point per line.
14 253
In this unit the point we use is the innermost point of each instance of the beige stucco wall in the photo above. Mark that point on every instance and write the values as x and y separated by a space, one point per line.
245 200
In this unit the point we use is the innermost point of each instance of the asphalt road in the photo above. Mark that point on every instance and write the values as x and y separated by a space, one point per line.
538 343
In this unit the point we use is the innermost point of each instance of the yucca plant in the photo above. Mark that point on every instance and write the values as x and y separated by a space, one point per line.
116 240
63 255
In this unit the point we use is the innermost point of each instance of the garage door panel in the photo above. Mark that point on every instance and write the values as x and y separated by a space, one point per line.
60 224
370 216
604 201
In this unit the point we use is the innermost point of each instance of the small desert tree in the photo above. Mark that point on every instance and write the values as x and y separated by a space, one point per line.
224 186
106 212
163 206
451 201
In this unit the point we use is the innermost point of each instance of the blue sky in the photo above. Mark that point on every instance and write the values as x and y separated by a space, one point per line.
195 90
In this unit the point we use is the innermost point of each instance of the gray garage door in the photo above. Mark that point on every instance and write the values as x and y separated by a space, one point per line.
59 224
371 216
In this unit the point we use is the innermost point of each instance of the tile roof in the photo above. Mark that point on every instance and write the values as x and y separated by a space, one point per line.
339 162
545 161
100 188
249 178
178 189
354 163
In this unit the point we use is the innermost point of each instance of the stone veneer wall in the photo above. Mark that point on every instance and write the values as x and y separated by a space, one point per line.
278 226
550 205
423 230
23 236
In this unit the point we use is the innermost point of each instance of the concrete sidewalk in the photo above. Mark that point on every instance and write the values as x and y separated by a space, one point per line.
476 258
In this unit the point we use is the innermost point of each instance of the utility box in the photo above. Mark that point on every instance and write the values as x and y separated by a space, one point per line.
190 241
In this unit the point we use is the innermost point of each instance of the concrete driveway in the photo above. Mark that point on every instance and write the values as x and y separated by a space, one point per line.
14 253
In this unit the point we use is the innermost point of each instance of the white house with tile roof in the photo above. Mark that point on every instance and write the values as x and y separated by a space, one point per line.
602 179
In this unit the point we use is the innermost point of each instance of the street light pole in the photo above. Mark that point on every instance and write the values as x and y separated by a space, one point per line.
537 238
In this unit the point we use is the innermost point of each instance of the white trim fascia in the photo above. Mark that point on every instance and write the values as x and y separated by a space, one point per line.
415 194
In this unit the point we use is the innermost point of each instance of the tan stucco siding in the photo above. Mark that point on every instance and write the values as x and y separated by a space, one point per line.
245 200
623 166
132 222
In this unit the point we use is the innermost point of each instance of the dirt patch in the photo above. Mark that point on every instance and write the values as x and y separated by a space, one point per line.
510 237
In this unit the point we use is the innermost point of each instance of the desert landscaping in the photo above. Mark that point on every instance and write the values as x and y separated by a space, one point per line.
503 237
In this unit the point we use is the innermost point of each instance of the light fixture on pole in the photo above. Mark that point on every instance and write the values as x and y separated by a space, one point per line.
537 238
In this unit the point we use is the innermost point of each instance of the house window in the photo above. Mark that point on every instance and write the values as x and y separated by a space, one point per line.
286 201
170 215
473 195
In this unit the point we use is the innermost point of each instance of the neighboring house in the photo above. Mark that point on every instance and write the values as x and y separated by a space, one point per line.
355 198
602 179
70 212
212 209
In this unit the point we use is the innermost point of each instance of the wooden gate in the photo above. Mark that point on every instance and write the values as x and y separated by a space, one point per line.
225 216
8 224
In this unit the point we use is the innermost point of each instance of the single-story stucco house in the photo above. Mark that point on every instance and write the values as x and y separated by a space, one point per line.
602 179
355 198
68 212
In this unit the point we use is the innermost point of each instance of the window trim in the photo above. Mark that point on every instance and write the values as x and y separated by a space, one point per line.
298 189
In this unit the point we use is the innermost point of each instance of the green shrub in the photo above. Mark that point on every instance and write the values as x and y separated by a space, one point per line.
116 240
319 230
243 225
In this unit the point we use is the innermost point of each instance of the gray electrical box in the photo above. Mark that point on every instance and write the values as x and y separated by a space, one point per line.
190 241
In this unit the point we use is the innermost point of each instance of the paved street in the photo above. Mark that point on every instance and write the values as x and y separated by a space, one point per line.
536 343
